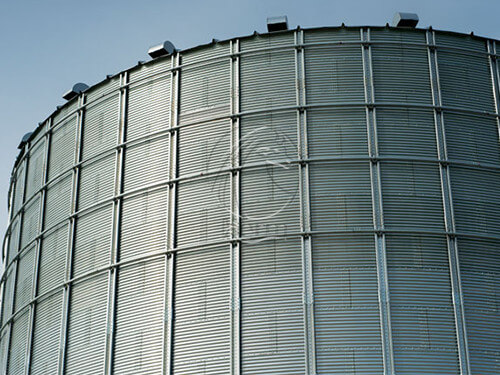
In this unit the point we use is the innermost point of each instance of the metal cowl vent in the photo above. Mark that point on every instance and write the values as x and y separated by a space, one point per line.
405 20
279 23
164 49
75 90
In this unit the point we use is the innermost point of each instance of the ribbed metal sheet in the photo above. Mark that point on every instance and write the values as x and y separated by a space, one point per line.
346 305
96 182
270 201
62 147
146 163
337 133
52 259
35 169
144 224
401 74
319 201
201 333
92 240
18 341
334 74
267 80
340 196
476 199
8 295
406 132
204 147
204 89
423 324
147 110
472 138
139 319
480 270
203 211
272 340
268 138
411 195
18 187
31 221
87 323
24 281
58 201
46 335
465 81
100 126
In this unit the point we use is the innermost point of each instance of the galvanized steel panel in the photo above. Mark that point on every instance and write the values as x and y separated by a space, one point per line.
144 224
465 81
62 147
272 340
148 111
24 280
411 195
201 325
8 294
270 199
58 201
31 222
423 323
47 330
204 91
146 163
139 318
472 138
18 341
346 305
406 132
100 126
334 74
92 240
18 187
340 196
337 133
96 182
87 323
476 199
268 138
52 259
205 147
35 169
203 210
480 270
267 80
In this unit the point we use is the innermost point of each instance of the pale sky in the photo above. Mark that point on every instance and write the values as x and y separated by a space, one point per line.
47 46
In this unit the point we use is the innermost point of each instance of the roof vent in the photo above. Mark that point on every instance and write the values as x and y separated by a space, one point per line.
277 23
24 140
405 20
77 88
164 49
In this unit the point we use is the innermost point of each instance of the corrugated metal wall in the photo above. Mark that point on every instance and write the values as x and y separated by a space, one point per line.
321 201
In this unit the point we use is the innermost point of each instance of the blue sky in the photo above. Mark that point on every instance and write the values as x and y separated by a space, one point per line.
49 45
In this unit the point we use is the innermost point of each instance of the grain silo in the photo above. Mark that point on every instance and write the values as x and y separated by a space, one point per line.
307 201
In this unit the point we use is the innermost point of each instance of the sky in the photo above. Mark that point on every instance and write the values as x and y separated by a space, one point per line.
48 45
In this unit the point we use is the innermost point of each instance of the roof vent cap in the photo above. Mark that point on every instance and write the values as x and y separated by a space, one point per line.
405 20
77 89
279 23
24 140
164 49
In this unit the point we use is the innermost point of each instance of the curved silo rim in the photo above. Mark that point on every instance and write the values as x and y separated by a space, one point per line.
59 108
